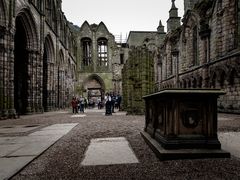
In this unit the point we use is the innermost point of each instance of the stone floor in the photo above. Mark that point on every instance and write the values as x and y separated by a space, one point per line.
61 145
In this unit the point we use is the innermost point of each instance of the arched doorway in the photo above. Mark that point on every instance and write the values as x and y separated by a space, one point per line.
20 68
48 74
95 87
26 61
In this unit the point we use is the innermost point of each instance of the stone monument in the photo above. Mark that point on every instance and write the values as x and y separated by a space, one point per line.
182 123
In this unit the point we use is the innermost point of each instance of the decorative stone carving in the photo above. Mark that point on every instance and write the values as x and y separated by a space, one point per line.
180 119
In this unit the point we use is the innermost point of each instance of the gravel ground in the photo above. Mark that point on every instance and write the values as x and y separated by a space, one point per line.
62 160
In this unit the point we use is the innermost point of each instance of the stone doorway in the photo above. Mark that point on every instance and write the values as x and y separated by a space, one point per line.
20 68
95 87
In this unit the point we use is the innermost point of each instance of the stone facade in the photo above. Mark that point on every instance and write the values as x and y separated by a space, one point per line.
45 60
138 79
138 70
37 57
98 62
204 51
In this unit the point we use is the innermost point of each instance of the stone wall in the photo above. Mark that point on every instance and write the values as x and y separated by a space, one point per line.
37 59
208 52
138 79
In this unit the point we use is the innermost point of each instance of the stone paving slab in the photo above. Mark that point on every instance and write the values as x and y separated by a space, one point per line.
9 148
8 140
10 166
78 115
17 152
32 149
230 142
50 132
105 151
17 128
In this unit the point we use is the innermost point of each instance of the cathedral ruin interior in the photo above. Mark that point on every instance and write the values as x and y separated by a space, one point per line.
45 60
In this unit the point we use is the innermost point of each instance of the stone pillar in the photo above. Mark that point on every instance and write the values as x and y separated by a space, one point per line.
31 81
9 76
56 87
39 87
31 70
51 86
2 62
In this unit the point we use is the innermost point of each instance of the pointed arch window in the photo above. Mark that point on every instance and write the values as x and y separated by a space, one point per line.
54 17
86 51
195 46
48 10
102 52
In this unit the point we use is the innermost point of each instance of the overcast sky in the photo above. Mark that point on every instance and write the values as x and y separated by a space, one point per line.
121 16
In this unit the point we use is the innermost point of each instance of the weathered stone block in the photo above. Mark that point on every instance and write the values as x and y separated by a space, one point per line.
181 119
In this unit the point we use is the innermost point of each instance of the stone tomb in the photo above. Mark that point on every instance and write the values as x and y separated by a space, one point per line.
182 123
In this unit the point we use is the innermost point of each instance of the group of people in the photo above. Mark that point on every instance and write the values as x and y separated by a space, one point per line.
111 101
78 104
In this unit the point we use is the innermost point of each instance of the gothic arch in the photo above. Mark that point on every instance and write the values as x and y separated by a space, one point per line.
94 83
48 74
29 24
96 77
25 61
49 49
102 44
60 80
86 48
190 38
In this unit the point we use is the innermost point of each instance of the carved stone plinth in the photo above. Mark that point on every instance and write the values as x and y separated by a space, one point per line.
179 120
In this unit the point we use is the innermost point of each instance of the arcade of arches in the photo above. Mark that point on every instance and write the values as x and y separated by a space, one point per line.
46 60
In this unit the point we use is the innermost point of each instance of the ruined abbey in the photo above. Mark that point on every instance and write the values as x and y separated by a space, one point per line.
45 60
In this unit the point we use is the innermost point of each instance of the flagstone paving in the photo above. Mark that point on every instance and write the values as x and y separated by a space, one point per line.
62 145
17 152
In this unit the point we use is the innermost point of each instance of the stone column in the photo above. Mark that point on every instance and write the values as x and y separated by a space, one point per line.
29 82
51 86
56 86
2 59
9 75
39 87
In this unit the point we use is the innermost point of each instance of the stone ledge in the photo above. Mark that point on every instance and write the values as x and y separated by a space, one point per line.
164 154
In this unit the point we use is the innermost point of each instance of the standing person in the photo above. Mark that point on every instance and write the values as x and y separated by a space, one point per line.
108 105
119 99
82 101
74 105
78 105
113 98
99 102
85 103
